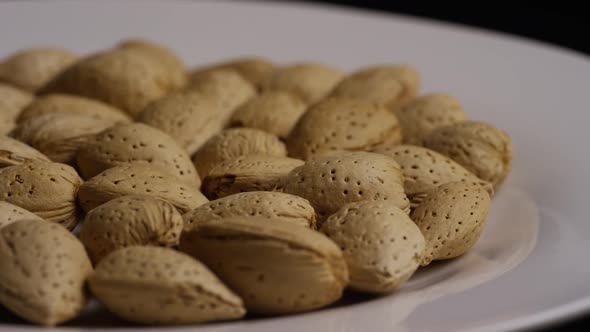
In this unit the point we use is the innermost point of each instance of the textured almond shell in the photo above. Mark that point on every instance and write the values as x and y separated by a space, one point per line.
342 124
253 69
276 206
451 218
44 268
10 213
13 152
333 181
152 285
60 136
72 105
138 179
382 246
47 189
189 117
233 143
12 101
479 147
248 173
273 112
127 221
32 68
421 116
276 267
139 143
309 81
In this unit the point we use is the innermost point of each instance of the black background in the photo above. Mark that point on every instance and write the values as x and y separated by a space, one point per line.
561 23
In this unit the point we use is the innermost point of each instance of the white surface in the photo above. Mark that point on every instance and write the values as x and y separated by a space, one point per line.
530 266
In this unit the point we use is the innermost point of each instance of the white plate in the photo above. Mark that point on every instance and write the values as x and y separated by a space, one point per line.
529 268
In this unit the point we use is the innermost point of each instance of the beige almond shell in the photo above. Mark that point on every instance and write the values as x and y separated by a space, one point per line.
126 79
452 218
248 173
233 143
480 147
60 136
10 213
228 88
139 179
161 286
279 207
72 105
333 181
189 117
44 188
162 55
308 80
276 267
31 69
12 102
127 221
381 244
6 124
253 69
273 112
13 152
342 124
139 143
44 269
424 170
422 115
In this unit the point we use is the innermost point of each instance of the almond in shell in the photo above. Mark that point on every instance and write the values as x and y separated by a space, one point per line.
253 69
13 152
10 213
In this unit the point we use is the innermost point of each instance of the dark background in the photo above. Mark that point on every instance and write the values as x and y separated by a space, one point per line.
560 23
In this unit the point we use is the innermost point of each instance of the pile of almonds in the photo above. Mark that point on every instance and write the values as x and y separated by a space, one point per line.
181 197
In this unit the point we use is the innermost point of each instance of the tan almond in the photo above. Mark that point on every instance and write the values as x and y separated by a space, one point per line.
31 69
72 105
189 117
139 143
47 189
60 136
276 267
139 179
451 218
44 268
480 147
248 173
425 170
253 69
273 112
381 244
419 117
333 181
10 213
276 206
342 124
13 152
233 143
12 102
127 221
309 81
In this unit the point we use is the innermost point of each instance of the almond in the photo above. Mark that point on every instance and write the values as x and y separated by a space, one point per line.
47 189
10 213
333 181
479 147
139 179
233 143
451 218
30 69
248 173
152 285
13 152
382 246
136 142
253 69
276 267
309 81
421 116
342 124
277 206
12 101
127 221
273 112
44 268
